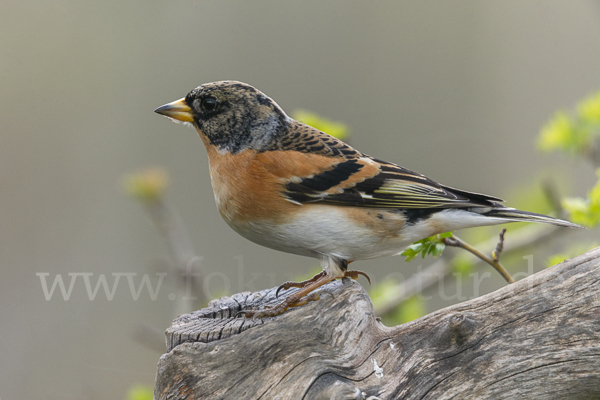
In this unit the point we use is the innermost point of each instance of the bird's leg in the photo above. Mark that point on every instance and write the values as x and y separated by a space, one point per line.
299 298
290 284
302 296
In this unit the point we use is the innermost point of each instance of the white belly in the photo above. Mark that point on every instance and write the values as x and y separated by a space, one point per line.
322 230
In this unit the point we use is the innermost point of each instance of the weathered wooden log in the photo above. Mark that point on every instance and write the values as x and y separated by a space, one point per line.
538 338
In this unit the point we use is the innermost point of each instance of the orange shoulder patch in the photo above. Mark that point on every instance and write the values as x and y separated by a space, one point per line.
288 165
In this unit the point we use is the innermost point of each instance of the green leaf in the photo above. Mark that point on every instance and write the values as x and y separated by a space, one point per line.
576 133
589 109
558 133
585 212
433 245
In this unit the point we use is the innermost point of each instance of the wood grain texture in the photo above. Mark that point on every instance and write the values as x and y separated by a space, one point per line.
536 339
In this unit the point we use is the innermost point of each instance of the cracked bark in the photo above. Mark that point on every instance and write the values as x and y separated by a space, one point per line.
536 339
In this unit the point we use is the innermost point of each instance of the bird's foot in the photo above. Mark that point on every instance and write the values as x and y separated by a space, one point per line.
283 306
354 275
302 296
289 284
347 274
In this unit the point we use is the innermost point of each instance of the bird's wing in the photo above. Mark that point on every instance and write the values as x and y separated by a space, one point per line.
341 175
369 182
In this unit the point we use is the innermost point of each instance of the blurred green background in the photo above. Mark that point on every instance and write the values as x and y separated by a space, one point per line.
456 90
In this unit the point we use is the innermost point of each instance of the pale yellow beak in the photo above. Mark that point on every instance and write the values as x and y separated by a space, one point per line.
178 110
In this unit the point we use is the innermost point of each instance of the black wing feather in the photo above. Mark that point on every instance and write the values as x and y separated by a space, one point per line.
393 187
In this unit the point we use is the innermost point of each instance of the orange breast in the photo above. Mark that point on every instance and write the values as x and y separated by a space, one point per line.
248 185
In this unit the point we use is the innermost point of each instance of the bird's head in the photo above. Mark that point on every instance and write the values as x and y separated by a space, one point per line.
233 116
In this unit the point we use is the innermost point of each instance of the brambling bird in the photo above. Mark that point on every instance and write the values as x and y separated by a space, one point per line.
287 186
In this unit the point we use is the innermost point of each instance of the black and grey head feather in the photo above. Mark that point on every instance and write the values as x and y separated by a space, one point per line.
235 116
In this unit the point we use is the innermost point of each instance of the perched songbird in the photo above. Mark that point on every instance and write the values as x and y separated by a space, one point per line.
287 186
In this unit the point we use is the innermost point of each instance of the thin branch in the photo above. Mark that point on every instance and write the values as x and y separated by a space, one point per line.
149 187
177 238
454 241
520 240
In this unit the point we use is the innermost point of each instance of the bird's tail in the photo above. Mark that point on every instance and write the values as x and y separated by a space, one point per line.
514 215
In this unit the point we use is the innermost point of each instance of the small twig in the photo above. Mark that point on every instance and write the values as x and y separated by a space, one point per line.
521 240
499 246
454 241
178 240
148 187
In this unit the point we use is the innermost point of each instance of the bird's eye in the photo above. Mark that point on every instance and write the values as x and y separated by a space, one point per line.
209 104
